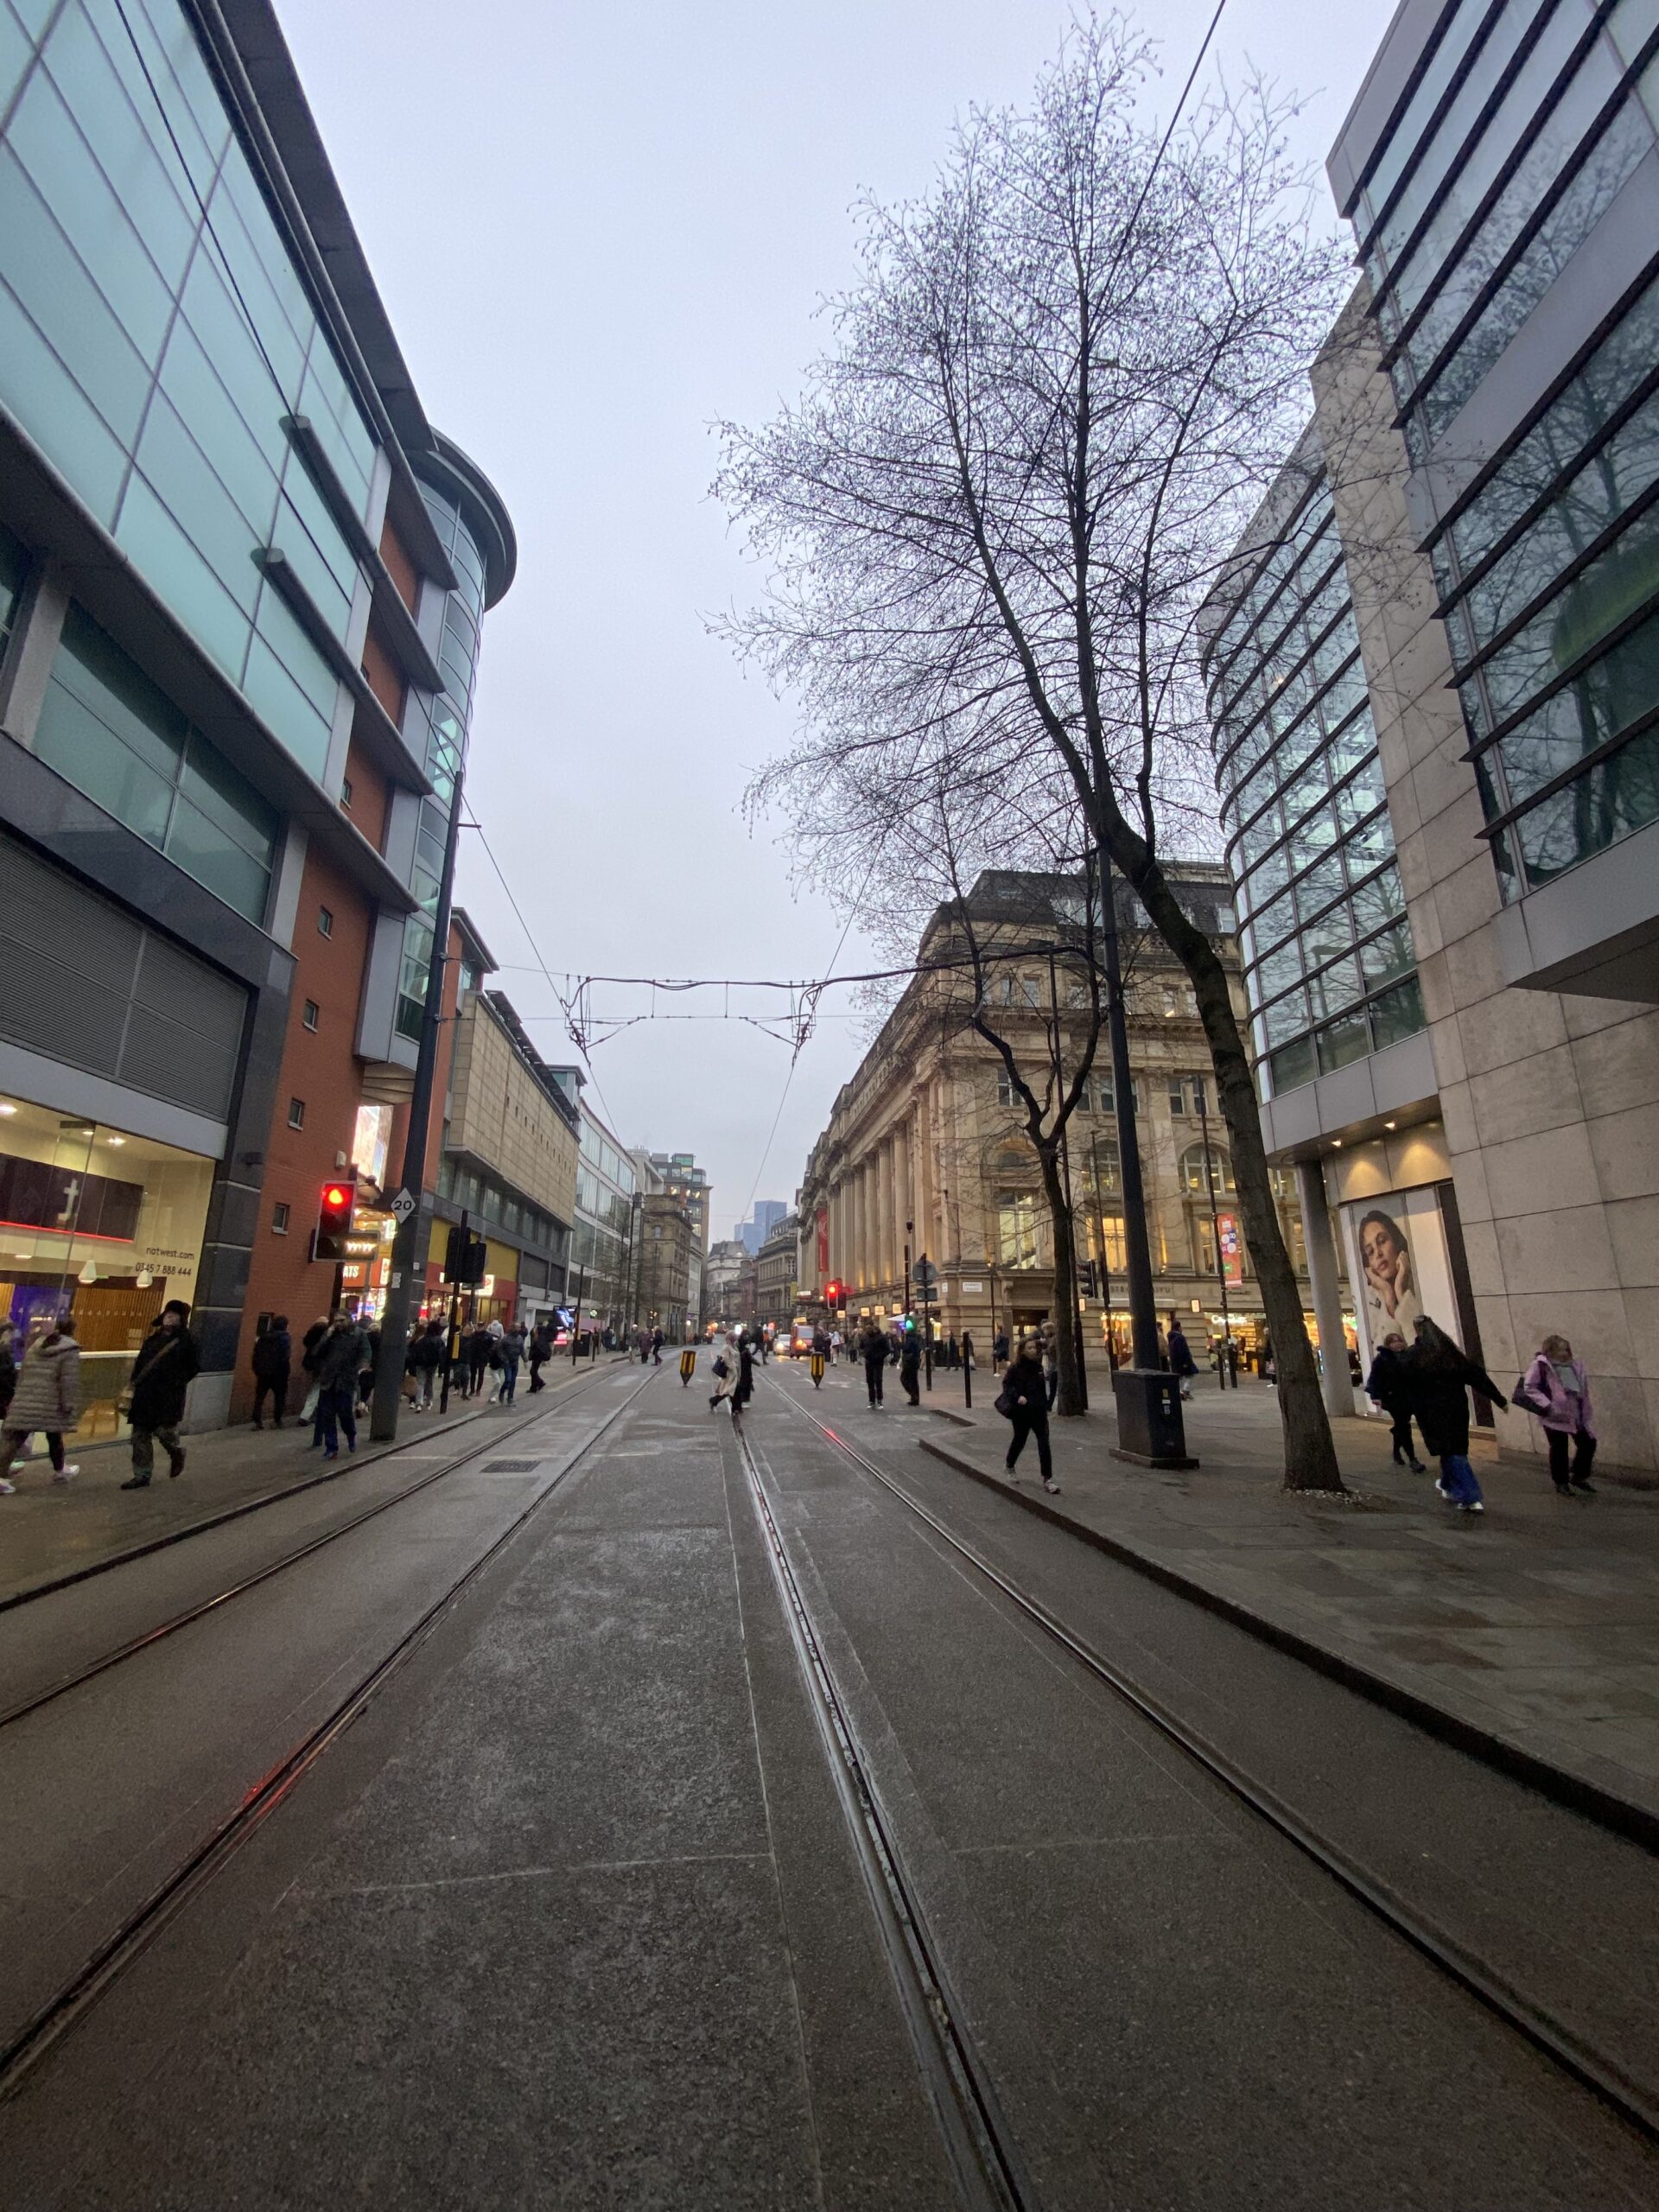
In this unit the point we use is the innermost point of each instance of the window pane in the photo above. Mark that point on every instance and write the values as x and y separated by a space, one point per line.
202 849
1377 899
1388 956
1343 1041
1286 1017
1605 804
82 749
1329 936
1398 1013
56 413
93 669
1292 1065
1336 986
1320 887
227 799
161 552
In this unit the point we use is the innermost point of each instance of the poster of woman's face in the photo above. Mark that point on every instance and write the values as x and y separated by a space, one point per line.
1397 1265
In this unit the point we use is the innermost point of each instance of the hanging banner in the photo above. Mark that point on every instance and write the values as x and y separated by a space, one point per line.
824 1243
1232 1248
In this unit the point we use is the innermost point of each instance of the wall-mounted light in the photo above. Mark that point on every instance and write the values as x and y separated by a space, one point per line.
1336 1144
115 1140
1388 1125
6 1106
144 1278
89 1271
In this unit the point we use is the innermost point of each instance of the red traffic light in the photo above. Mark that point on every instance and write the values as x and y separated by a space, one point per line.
335 1217
333 1197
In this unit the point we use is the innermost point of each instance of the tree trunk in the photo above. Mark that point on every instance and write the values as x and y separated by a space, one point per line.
1069 1402
1310 1453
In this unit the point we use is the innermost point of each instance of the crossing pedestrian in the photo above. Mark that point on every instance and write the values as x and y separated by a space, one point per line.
425 1358
910 1365
46 1396
273 1360
339 1359
479 1343
1049 1340
1389 1385
1440 1377
496 1361
368 1359
745 1390
513 1353
1182 1364
308 1344
657 1341
722 1374
872 1345
1556 1390
168 1363
999 1350
1024 1401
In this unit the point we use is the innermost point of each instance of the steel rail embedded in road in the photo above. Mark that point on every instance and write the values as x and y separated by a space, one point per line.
986 2164
1594 2069
55 2018
170 1627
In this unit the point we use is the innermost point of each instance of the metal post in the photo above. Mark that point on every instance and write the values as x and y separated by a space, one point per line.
927 1326
1137 1251
575 1317
408 1246
910 1227
1225 1364
1065 1173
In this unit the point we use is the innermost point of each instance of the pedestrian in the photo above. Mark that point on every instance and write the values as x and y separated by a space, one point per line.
308 1343
273 1359
167 1364
999 1350
44 1395
368 1360
953 1352
657 1341
722 1374
872 1345
968 1349
1556 1390
425 1359
910 1365
494 1360
1182 1364
512 1352
834 1344
540 1351
1439 1379
1051 1348
479 1344
745 1390
339 1361
1024 1401
1389 1385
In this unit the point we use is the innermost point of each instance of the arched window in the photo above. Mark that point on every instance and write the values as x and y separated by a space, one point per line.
1100 1153
1193 1180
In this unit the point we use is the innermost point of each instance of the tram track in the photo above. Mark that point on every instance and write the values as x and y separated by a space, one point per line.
79 1992
1591 2067
36 1591
149 1637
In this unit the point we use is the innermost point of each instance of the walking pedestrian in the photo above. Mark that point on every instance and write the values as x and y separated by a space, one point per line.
425 1358
999 1350
1556 1390
339 1360
273 1359
1440 1377
910 1365
656 1347
540 1351
872 1349
44 1395
512 1352
1182 1364
1024 1399
167 1364
479 1344
722 1374
745 1390
495 1361
968 1349
308 1343
367 1360
1389 1385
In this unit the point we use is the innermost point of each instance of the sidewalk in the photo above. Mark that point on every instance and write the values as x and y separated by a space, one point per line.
49 1531
1536 1625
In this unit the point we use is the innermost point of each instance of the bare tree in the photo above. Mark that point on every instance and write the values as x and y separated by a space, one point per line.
1055 399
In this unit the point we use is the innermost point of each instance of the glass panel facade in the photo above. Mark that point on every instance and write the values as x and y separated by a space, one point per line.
154 332
107 729
1548 565
1326 944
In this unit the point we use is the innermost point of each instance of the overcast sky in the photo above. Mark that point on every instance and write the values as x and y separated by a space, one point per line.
598 228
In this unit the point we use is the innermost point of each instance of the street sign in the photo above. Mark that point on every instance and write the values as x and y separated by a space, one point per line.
401 1207
926 1274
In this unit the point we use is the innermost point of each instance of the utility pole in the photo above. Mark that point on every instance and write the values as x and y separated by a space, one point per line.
1074 1318
1225 1365
409 1245
1150 1431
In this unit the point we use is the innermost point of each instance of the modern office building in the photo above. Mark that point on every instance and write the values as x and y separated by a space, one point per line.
1482 472
752 1233
241 583
605 1251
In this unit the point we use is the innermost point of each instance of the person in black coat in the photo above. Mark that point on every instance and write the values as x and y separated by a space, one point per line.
1439 1380
423 1360
872 1349
1024 1399
273 1361
910 1365
167 1364
1389 1385
745 1390
480 1345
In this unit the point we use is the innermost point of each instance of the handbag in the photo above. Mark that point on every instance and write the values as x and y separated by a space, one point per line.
1003 1404
1530 1402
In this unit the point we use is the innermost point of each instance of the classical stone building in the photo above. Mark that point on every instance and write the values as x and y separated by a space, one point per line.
669 1262
721 1274
926 1152
776 1287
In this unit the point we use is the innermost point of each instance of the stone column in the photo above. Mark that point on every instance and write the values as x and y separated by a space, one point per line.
905 1205
1338 1389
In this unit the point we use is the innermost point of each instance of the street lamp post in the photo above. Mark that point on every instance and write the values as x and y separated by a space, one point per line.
1225 1365
1074 1319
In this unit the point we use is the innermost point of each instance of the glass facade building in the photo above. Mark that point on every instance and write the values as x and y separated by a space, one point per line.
1505 220
1329 966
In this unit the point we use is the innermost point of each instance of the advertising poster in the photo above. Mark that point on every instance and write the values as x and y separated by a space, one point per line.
1398 1266
1232 1248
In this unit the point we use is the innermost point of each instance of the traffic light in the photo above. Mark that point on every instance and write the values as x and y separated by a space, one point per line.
1086 1279
833 1294
335 1217
465 1258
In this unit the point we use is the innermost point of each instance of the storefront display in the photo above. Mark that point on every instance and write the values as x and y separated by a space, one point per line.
1399 1264
96 1222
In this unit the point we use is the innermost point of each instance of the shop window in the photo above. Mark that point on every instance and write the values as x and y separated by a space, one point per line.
325 921
279 1218
296 1113
312 1014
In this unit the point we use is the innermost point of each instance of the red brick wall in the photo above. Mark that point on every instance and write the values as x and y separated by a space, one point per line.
386 678
322 1068
368 807
402 570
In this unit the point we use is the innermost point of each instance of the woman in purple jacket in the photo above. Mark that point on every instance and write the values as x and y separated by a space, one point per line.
1559 1390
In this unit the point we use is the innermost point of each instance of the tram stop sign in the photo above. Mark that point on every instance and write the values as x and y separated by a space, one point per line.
926 1274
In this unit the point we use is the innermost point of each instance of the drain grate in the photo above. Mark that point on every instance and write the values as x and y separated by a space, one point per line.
512 1466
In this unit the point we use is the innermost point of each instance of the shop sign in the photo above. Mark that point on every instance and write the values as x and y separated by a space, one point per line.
1232 1250
362 1248
973 1290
